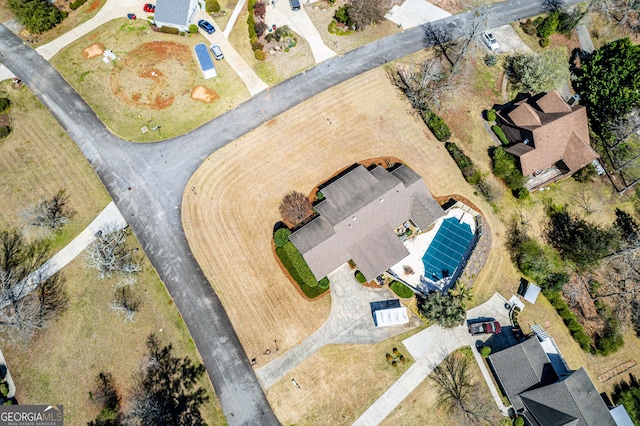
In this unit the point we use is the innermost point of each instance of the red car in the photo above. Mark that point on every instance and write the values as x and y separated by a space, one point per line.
488 327
149 8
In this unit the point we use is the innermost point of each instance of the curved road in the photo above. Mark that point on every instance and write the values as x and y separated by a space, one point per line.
146 181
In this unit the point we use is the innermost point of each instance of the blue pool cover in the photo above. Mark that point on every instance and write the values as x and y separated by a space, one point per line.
447 249
206 63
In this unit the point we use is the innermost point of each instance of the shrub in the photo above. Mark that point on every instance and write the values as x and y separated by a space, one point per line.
342 15
491 60
255 44
518 421
585 174
468 169
213 6
610 340
520 193
4 131
251 27
548 26
569 318
485 351
437 126
505 167
260 28
281 236
499 133
324 283
260 9
169 30
259 55
544 42
360 277
293 262
401 290
37 16
528 27
5 103
492 116
193 28
76 4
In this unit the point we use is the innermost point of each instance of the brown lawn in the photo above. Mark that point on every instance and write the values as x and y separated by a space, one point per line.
236 204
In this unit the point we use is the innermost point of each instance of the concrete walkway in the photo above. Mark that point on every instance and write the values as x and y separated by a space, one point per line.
586 44
234 17
109 218
239 65
350 322
299 21
430 347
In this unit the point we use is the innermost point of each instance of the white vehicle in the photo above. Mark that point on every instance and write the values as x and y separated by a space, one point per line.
217 52
490 41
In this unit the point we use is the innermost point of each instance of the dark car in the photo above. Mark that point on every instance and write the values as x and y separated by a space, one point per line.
149 8
295 4
488 327
205 25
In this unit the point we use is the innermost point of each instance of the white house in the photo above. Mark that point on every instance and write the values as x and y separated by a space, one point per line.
176 13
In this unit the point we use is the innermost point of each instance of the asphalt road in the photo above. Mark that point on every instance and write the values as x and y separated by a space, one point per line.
146 181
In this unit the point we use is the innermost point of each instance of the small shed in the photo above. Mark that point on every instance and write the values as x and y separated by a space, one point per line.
532 293
389 312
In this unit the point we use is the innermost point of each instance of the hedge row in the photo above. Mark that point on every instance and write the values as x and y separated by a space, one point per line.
76 4
500 134
570 320
293 261
468 169
437 126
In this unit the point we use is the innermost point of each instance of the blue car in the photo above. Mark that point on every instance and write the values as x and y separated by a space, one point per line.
206 26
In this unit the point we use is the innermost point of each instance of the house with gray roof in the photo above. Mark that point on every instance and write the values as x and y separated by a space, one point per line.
357 218
527 377
176 13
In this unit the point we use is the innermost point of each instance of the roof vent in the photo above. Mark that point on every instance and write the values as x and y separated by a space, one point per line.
354 218
381 200
526 142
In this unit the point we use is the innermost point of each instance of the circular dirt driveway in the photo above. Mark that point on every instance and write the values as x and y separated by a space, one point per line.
154 74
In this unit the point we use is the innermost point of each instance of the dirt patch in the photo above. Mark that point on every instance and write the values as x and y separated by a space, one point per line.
151 75
94 5
92 51
204 94
5 120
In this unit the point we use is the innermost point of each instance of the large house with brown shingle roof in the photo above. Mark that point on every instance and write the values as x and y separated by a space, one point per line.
548 133
358 216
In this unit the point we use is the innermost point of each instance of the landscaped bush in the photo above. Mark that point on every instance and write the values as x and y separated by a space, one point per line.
570 320
505 167
491 60
521 193
169 30
491 116
360 277
76 4
213 6
5 103
528 27
499 133
251 26
293 262
437 126
468 169
548 26
342 15
281 237
193 28
259 55
4 131
401 290
485 351
324 283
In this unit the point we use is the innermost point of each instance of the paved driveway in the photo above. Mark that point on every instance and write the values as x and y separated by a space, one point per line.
415 12
429 348
350 321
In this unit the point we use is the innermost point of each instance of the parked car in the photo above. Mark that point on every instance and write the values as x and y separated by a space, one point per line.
490 41
205 25
150 8
487 327
295 4
217 52
131 15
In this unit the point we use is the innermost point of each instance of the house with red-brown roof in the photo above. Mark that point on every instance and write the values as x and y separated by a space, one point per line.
549 138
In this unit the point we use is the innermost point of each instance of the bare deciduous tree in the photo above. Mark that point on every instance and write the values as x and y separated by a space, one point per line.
294 208
365 12
29 300
126 302
457 393
585 201
422 84
624 14
110 253
52 213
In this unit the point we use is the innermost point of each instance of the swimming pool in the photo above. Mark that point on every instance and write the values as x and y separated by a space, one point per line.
446 251
206 63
